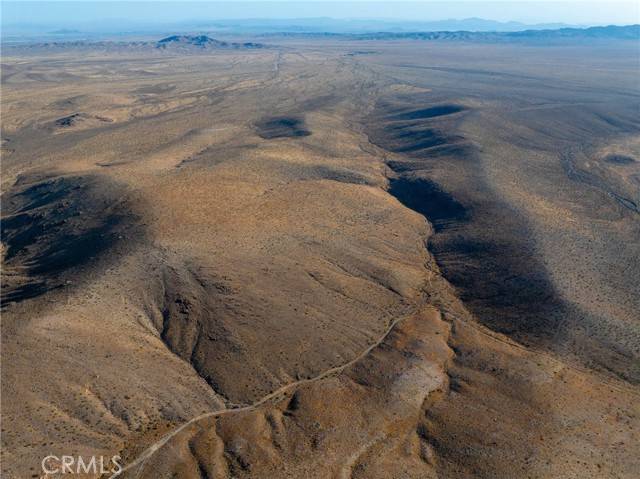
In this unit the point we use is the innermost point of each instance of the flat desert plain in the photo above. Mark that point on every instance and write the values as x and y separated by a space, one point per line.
323 258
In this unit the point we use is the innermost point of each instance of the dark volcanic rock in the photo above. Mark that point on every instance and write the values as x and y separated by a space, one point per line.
68 120
619 159
196 40
202 41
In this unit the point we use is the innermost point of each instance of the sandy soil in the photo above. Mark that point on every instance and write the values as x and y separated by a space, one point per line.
304 262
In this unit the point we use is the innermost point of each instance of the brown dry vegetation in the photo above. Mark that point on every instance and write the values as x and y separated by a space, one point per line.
420 262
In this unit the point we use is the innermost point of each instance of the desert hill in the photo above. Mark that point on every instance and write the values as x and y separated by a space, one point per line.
299 261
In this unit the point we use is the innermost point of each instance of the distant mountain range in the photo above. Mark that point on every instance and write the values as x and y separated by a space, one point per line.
174 43
629 32
110 28
195 43
201 41
332 25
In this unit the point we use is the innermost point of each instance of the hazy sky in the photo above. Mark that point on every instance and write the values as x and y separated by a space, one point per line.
68 13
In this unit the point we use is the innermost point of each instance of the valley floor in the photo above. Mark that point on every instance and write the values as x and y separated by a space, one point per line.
328 259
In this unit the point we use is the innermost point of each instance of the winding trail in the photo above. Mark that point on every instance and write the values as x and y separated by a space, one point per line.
448 316
147 453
